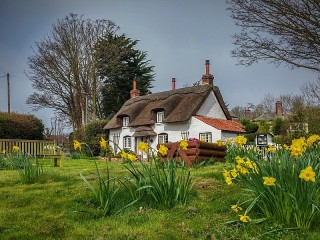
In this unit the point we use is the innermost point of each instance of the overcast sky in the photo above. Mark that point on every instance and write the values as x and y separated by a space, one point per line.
178 36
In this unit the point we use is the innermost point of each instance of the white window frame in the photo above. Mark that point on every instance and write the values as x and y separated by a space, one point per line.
160 116
127 143
162 138
206 137
125 121
185 135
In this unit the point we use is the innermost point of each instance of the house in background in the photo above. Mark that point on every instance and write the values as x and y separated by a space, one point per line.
191 112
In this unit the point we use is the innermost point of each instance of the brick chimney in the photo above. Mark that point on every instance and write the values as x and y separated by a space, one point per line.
134 92
247 113
173 84
279 111
207 79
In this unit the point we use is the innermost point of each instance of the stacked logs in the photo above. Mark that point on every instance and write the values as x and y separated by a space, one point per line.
197 151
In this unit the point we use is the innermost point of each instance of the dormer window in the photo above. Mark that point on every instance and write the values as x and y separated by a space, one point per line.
160 116
125 121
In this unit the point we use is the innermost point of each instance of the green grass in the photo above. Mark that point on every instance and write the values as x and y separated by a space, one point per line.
61 206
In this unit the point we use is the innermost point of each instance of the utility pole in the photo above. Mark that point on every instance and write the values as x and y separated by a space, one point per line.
8 85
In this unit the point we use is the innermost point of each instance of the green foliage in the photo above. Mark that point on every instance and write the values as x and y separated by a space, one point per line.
31 171
264 126
250 137
60 207
277 126
291 200
92 133
165 184
119 62
313 119
13 160
245 121
106 192
251 127
20 126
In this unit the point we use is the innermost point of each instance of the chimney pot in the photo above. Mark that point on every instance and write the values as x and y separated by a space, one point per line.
279 111
134 92
173 83
207 79
207 67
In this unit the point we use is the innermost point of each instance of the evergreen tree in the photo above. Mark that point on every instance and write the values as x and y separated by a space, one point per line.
119 62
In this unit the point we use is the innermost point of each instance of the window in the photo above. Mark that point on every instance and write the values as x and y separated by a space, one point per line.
116 138
185 135
206 137
127 142
160 116
162 138
125 121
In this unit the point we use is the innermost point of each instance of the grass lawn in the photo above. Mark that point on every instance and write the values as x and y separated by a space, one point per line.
62 207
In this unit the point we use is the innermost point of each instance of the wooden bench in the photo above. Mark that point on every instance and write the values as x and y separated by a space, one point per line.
37 148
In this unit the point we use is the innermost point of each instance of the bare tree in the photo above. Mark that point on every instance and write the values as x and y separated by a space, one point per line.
63 68
311 92
238 111
279 31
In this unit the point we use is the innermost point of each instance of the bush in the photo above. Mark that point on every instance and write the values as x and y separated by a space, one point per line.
251 128
92 134
20 126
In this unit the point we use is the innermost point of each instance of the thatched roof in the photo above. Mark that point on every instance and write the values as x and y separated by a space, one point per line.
179 105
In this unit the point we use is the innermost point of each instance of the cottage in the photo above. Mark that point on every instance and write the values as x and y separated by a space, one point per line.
191 112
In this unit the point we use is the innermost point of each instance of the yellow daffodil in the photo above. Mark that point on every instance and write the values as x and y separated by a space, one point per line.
271 148
239 160
103 143
226 173
184 144
236 208
220 143
228 141
234 173
4 151
163 150
248 164
228 180
308 174
76 145
15 148
143 147
240 140
244 218
312 139
298 147
131 157
269 181
123 155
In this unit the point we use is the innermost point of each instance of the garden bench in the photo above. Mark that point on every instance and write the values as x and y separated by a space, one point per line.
36 148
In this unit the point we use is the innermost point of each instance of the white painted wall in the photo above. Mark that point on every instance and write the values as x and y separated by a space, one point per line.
198 126
211 108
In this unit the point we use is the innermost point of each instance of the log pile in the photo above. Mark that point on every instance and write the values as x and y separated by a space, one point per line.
197 151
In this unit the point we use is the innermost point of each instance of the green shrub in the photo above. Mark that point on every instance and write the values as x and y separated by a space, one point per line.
20 126
251 127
